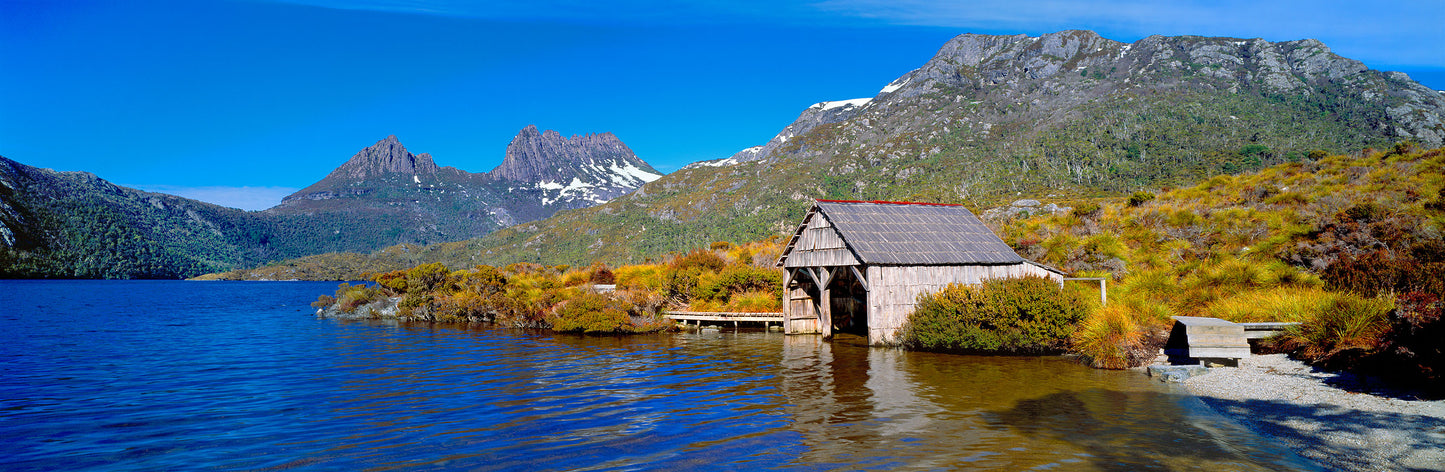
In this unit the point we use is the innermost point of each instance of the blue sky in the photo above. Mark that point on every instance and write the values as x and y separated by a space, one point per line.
241 102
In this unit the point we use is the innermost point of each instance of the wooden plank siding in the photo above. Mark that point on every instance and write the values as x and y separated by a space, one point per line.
894 290
819 245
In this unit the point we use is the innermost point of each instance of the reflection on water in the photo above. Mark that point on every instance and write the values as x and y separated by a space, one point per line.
886 408
144 385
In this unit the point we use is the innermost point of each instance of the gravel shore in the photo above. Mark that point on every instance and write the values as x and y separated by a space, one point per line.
1336 420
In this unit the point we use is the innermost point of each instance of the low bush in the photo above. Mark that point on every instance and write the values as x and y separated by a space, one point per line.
350 297
699 258
1017 316
1413 351
590 312
323 301
1140 198
739 279
756 302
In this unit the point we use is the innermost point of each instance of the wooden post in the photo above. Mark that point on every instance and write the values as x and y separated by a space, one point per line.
1103 291
787 300
826 318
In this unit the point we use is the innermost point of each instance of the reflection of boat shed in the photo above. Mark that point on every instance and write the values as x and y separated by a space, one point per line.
860 266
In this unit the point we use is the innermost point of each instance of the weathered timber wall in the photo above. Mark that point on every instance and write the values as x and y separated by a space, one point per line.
894 290
820 246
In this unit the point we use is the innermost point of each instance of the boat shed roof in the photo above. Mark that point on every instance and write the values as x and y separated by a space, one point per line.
898 233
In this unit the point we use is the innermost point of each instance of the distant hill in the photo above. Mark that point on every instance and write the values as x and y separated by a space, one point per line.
76 225
991 118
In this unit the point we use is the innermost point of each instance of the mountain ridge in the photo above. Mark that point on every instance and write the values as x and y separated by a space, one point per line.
992 118
55 224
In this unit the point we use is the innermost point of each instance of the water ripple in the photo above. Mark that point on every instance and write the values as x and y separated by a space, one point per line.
173 375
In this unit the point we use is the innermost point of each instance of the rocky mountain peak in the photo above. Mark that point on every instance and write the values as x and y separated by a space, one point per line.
978 81
387 156
597 165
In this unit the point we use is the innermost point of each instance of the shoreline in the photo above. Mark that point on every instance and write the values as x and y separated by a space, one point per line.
1337 420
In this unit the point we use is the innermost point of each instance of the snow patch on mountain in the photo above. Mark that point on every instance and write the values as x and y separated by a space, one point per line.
855 102
895 85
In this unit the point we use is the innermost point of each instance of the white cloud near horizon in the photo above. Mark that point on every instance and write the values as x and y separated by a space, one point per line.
246 197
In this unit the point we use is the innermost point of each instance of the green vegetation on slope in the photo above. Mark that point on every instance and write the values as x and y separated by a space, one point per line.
1350 246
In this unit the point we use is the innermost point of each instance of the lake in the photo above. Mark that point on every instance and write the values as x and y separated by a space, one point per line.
165 375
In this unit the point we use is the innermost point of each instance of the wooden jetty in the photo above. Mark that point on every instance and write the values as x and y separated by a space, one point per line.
697 317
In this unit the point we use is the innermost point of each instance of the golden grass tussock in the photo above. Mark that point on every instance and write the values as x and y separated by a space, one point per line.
1109 338
1275 304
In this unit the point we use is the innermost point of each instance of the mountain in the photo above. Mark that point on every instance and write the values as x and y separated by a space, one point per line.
593 168
386 195
68 224
76 225
1063 116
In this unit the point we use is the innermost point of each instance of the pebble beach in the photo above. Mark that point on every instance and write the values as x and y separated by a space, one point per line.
1337 420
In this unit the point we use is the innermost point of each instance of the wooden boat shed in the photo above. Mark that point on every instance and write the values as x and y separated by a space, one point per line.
859 267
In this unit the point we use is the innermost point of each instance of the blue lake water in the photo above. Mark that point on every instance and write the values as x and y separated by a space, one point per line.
167 375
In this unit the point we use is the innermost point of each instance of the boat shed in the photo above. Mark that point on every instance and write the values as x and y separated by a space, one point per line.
859 267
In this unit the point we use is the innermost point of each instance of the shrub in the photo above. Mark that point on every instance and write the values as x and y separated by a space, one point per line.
652 277
323 301
1023 315
1412 350
738 280
591 312
601 275
1140 198
1086 209
1373 272
464 306
426 277
699 258
573 278
755 302
350 297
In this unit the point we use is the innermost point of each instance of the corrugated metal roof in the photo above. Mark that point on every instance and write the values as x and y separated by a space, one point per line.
889 233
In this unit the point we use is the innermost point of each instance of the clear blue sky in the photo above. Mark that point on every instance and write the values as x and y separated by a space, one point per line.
240 102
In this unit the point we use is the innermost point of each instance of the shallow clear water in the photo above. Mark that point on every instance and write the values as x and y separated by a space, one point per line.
138 375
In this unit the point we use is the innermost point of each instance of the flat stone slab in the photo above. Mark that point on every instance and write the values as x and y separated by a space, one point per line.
1176 373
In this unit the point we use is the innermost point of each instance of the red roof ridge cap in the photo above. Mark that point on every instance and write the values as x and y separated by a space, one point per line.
885 202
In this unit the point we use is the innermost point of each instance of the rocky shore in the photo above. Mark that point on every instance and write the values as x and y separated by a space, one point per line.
1340 421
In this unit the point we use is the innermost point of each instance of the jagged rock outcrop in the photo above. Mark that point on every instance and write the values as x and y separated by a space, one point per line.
593 167
387 156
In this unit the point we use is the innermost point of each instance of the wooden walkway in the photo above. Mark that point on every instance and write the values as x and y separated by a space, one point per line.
697 317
